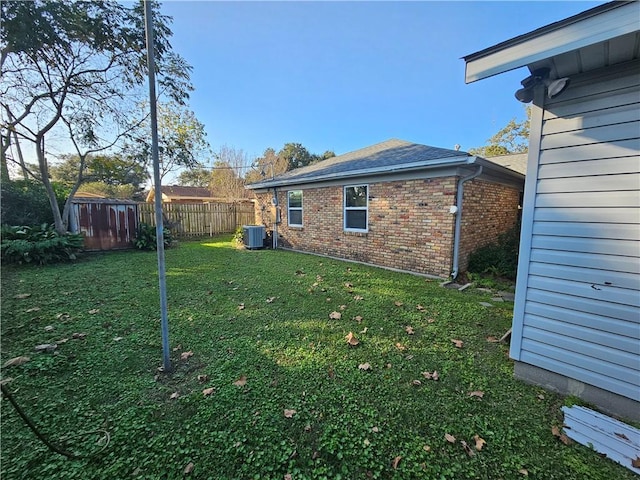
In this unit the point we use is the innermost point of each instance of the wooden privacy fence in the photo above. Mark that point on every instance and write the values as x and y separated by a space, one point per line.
200 219
112 224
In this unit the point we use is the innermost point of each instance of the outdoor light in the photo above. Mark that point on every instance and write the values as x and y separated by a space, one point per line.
556 87
538 77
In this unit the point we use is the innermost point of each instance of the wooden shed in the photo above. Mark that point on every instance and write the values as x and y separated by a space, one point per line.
576 326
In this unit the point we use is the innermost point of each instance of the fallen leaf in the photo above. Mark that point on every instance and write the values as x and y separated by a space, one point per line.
186 355
416 383
524 472
288 476
49 328
328 299
358 297
457 343
621 435
467 448
45 347
396 461
351 339
207 391
289 413
335 315
365 366
348 285
388 365
541 397
365 330
449 438
174 395
358 318
241 306
300 272
399 346
33 309
409 330
307 428
117 339
15 361
319 278
270 299
78 336
342 307
375 429
492 339
426 448
315 284
635 463
431 376
398 303
431 320
366 442
480 442
203 378
62 316
94 311
189 468
62 340
555 431
420 308
20 296
331 373
241 382
477 393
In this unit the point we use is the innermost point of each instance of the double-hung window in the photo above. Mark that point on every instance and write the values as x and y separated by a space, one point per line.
356 206
295 208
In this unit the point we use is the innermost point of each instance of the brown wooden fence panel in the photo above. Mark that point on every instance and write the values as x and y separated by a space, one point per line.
200 219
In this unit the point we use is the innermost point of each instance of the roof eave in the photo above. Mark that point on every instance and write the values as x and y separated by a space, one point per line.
426 165
598 24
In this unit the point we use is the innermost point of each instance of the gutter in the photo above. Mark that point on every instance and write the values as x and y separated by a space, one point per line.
458 226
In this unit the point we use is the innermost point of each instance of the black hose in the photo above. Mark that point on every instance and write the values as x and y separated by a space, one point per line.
34 429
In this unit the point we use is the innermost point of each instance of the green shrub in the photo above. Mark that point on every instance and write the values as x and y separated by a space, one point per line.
39 245
499 259
238 236
146 237
25 202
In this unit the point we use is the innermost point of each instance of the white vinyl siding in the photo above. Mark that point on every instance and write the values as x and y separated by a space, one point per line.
577 308
294 208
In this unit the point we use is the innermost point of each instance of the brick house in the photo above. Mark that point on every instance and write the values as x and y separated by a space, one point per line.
394 204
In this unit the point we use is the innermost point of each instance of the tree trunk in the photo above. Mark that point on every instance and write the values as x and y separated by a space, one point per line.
4 169
51 195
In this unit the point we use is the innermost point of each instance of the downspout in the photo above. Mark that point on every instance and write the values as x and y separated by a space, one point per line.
458 226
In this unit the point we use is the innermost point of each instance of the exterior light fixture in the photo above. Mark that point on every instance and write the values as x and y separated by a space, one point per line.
538 77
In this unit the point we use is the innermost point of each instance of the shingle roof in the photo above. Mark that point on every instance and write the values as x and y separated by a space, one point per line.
513 161
392 155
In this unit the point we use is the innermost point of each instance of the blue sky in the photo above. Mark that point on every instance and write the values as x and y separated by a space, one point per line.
344 75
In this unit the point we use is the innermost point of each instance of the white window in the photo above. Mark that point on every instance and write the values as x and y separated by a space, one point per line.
295 208
356 205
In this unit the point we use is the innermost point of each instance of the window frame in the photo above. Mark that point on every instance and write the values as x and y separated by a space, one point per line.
346 209
290 208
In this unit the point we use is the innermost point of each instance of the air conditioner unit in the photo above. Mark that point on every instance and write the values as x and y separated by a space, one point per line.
253 236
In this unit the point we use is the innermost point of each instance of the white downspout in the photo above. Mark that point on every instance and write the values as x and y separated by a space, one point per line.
458 225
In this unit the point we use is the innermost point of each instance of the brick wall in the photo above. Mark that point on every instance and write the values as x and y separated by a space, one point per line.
489 209
410 227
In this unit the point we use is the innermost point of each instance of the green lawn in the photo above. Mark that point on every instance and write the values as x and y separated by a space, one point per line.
255 327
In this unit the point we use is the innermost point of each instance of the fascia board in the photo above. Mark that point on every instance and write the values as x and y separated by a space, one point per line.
619 20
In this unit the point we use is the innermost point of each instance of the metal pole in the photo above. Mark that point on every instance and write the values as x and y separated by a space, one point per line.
151 65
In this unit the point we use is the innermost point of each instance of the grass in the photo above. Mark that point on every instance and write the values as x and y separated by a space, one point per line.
348 423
